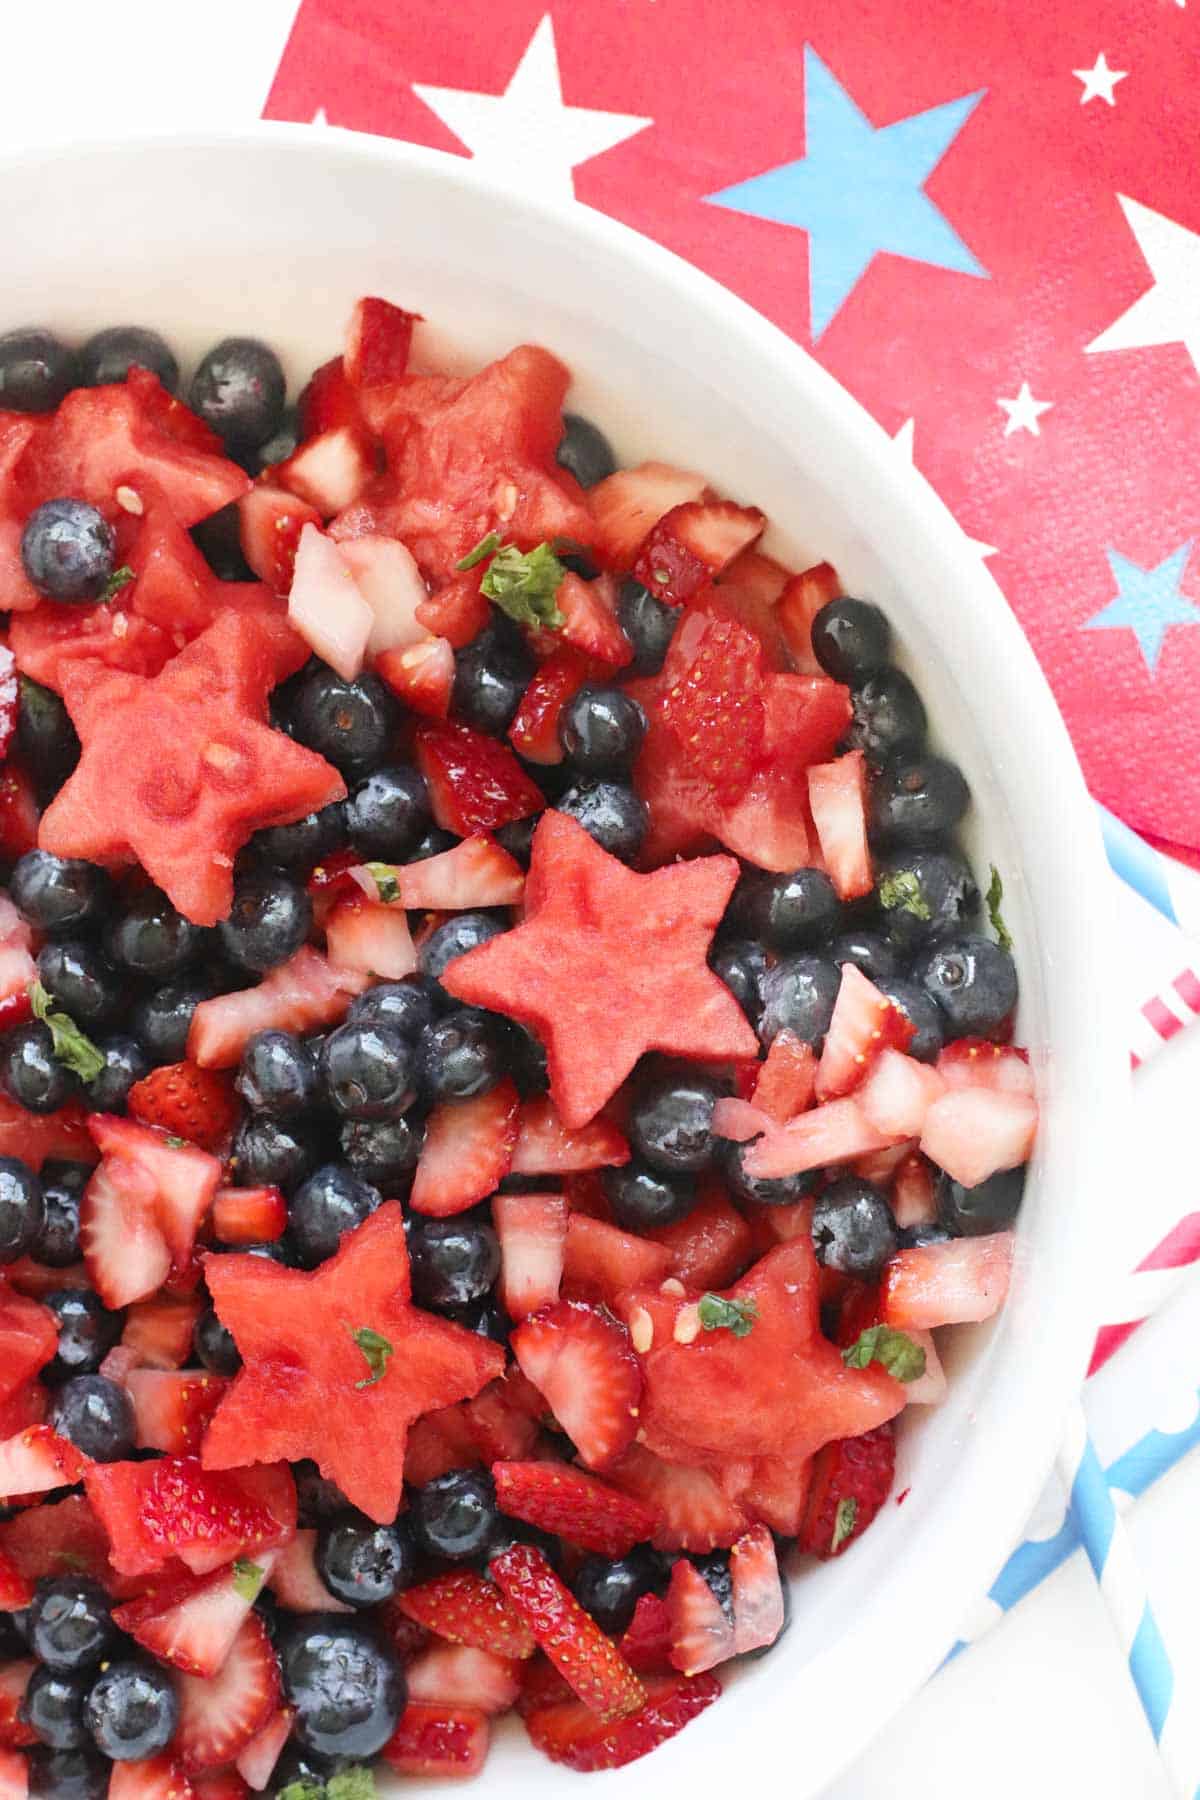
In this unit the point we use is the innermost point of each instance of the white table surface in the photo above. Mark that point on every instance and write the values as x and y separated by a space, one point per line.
1043 1707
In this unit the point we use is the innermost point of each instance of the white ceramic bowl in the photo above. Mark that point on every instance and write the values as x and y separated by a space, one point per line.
276 230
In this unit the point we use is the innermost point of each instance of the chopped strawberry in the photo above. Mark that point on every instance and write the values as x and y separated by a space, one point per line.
462 1675
327 399
589 610
124 1249
692 544
601 1261
701 1631
438 1741
172 1410
303 994
185 1178
378 341
475 873
504 1418
368 937
475 783
646 1642
255 1215
571 1733
715 709
188 1102
571 1639
15 1591
329 470
326 605
294 1581
172 1507
546 1147
898 1093
836 1132
758 1607
799 604
573 1505
256 1763
19 813
851 1480
14 1679
464 1608
159 1778
272 520
28 1340
35 1461
972 1133
863 1022
457 610
913 1198
220 1714
627 505
532 1229
957 1283
437 1442
467 1151
974 1062
534 730
192 1624
711 1246
581 1361
158 1332
837 793
219 1784
879 1166
786 1081
777 1492
422 675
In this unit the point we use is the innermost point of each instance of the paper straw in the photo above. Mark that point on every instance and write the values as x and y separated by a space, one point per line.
1165 1015
1150 1285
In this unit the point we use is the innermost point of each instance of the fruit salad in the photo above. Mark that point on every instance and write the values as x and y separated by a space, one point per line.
504 1074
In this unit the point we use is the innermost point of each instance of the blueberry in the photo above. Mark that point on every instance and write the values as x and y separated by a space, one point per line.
853 1229
526 1059
132 1711
974 981
13 1644
238 389
916 799
367 1070
458 935
517 838
741 964
601 730
868 951
67 550
70 1624
922 1013
610 813
716 1571
975 1211
851 639
151 938
22 1209
109 355
918 1237
584 451
82 981
280 445
406 1005
96 1415
302 844
888 716
363 1563
433 843
125 1062
925 894
454 1515
786 912
460 1055
277 1075
486 1318
273 1153
46 738
382 1152
642 1198
59 893
455 1262
214 1345
219 541
53 1708
271 917
490 676
30 1073
57 1242
388 813
68 1775
36 371
162 1019
332 1200
346 1685
87 1332
649 624
317 1498
763 1190
798 995
671 1124
611 1590
350 723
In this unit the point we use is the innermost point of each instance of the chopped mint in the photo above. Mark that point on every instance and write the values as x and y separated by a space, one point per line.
737 1316
301 1790
386 881
72 1048
902 892
377 1351
247 1579
355 1783
523 584
117 580
844 1520
487 546
893 1349
994 898
177 1143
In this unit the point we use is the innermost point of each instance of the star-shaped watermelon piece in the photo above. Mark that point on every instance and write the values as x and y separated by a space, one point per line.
177 771
608 964
337 1363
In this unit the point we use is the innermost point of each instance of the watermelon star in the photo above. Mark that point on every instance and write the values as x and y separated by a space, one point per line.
337 1363
179 770
608 964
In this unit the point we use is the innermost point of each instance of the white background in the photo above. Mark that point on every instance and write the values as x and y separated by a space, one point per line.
1043 1706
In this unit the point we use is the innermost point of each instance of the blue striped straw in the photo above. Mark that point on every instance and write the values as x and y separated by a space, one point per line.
1138 865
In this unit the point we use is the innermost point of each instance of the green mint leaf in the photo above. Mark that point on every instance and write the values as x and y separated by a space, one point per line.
523 583
355 1783
487 546
902 892
844 1520
72 1048
893 1349
247 1579
377 1351
386 881
117 580
994 898
737 1316
301 1790
177 1143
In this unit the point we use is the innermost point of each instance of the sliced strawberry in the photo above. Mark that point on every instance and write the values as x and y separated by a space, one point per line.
327 399
467 1152
898 1093
461 1675
14 1679
749 591
475 783
715 709
438 1741
37 1460
571 1639
786 1082
646 1642
172 1410
546 1147
438 1442
701 1631
505 1418
326 605
571 1733
19 813
464 1608
777 1492
18 972
457 610
799 604
601 1261
185 1178
974 1062
534 730
589 610
378 341
532 1229
370 938
294 1581
15 1591
192 1624
155 1510
28 1340
188 1102
628 504
711 1246
256 1215
159 1778
972 1133
220 1714
863 1022
329 470
837 793
957 1283
758 1608
158 1332
581 1361
271 523
422 675
573 1505
692 544
836 1132
913 1198
35 1136
475 873
851 1480
303 994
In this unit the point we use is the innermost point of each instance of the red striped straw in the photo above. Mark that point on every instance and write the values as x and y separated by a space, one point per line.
1165 1015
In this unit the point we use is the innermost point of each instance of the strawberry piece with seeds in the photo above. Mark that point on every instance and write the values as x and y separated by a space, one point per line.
220 1714
864 1022
532 1229
799 604
972 1133
438 1741
464 1608
569 1733
581 1361
628 504
193 1624
975 1062
467 1151
574 1643
159 1778
836 1132
124 1250
153 1511
694 543
188 1102
158 1332
715 709
589 610
462 1675
303 994
696 1513
957 1283
533 733
787 1080
475 783
369 938
601 1261
758 1606
28 1340
294 1580
852 1478
256 1215
378 341
256 1763
475 873
701 1631
36 1460
546 1147
271 523
646 1642
172 1410
457 611
837 793
421 675
573 1505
